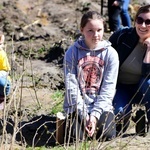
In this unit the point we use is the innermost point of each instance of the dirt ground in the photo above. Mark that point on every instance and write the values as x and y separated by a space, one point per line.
37 34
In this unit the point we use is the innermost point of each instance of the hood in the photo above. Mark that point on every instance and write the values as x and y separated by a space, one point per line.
80 43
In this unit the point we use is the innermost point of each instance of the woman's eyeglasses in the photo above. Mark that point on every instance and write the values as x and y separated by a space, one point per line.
140 20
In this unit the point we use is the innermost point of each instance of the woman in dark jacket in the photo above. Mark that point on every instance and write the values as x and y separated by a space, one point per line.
133 47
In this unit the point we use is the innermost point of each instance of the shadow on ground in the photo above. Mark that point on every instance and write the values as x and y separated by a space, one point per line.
39 131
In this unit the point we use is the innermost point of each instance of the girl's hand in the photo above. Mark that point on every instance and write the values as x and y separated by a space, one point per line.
91 126
87 123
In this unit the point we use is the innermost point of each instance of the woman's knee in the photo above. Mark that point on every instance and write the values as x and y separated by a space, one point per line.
107 126
144 83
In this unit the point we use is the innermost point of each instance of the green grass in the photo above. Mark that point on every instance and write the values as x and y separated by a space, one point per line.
58 98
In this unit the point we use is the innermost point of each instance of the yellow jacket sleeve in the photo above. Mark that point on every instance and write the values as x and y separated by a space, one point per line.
4 64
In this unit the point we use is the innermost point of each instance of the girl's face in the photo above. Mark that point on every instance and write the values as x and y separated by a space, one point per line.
93 32
142 25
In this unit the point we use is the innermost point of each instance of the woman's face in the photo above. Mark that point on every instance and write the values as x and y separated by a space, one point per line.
93 32
142 25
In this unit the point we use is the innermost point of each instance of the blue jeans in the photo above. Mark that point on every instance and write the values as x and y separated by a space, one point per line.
126 95
145 94
4 86
118 15
125 17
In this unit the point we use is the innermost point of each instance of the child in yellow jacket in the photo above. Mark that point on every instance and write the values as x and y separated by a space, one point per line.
4 71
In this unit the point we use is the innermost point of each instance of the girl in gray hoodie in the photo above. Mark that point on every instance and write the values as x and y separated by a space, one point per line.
90 70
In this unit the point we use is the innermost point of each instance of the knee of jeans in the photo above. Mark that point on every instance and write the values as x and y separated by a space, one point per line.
110 134
144 85
145 82
124 11
119 110
4 86
148 82
3 82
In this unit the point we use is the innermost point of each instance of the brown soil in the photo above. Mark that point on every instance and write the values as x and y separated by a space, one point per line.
37 34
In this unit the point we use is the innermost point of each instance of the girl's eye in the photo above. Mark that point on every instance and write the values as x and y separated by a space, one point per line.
99 30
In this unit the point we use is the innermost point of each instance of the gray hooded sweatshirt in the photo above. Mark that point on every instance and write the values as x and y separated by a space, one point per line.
90 78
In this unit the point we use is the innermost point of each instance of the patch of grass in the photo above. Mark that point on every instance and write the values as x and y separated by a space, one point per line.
1 7
75 146
41 50
58 98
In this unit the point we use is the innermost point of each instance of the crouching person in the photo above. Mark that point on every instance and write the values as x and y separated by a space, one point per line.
133 87
4 72
90 70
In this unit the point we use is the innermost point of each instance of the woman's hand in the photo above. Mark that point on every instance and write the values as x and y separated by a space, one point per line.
91 125
147 43
147 55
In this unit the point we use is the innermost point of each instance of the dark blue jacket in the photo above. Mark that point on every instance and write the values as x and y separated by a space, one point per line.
124 41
